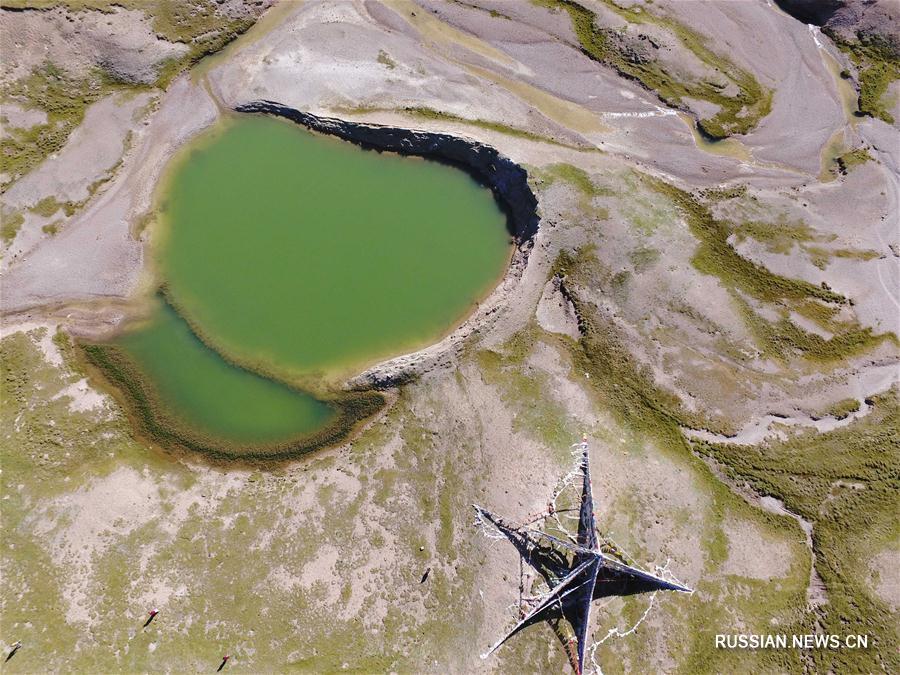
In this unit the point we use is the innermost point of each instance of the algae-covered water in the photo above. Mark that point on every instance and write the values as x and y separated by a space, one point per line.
304 254
297 255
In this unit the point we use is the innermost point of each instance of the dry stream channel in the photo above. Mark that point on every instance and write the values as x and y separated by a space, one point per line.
287 261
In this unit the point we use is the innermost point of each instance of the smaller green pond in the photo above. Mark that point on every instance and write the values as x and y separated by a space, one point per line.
208 394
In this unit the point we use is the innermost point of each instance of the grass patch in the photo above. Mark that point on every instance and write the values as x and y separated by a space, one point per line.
717 257
781 238
781 339
737 114
578 177
10 226
850 160
846 483
46 207
52 228
777 237
724 193
843 409
537 414
878 67
385 60
643 258
493 13
582 182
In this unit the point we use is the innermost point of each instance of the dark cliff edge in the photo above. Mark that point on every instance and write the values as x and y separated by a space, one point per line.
506 179
817 12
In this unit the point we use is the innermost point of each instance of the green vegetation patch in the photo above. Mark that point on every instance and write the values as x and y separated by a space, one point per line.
583 183
724 193
385 59
843 409
46 207
527 392
52 228
846 483
152 419
199 25
717 257
643 258
10 225
850 160
493 13
737 114
778 237
782 237
782 338
878 67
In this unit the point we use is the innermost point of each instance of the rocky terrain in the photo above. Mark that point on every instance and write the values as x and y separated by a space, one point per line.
710 296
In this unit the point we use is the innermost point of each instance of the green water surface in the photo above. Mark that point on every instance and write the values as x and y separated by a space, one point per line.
210 395
303 254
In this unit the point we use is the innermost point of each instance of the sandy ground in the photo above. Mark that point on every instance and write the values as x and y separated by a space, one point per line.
335 545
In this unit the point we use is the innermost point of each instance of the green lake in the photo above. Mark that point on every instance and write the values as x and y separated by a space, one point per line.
303 254
304 258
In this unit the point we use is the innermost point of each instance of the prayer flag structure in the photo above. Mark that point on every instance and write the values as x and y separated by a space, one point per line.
574 568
